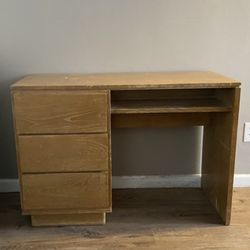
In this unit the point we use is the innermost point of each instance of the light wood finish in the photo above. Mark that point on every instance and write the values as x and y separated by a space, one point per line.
164 94
219 156
17 150
168 106
157 80
53 112
156 219
168 101
70 191
110 151
53 136
64 153
159 120
68 219
63 133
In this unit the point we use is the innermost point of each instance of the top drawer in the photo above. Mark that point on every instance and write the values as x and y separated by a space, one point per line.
60 111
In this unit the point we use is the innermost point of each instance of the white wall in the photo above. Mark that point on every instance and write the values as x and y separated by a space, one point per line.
39 36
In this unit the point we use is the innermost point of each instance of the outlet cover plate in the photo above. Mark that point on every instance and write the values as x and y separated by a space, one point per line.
246 137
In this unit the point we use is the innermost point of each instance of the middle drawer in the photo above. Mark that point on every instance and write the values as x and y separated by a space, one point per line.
63 153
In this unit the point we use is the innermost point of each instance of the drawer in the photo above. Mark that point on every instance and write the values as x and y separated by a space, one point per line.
63 153
51 111
73 191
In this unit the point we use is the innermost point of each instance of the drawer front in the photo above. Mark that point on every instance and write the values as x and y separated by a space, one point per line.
51 112
63 153
73 191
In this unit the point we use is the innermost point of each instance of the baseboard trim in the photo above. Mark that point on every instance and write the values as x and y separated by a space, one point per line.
156 181
151 181
242 180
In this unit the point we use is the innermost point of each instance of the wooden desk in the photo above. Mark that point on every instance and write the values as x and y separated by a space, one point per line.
63 126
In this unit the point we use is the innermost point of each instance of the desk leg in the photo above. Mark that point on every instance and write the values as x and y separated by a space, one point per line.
219 145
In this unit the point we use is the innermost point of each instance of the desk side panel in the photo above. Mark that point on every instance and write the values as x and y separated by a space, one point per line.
219 146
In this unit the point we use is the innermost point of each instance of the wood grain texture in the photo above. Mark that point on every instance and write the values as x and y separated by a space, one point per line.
168 106
156 219
73 191
64 106
162 94
219 156
109 151
68 219
160 80
53 112
159 120
64 153
17 150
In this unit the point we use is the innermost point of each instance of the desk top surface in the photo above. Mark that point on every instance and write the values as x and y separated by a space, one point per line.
125 81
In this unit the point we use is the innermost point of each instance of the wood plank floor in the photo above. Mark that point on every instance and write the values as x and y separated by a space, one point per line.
141 219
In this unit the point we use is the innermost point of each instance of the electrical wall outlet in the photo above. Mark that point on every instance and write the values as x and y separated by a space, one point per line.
246 137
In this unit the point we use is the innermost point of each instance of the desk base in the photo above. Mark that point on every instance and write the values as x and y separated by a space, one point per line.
68 219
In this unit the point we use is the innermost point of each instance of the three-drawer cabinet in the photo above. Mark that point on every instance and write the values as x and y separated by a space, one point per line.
63 152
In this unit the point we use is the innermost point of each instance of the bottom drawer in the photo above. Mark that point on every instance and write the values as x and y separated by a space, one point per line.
73 191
